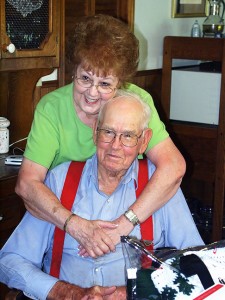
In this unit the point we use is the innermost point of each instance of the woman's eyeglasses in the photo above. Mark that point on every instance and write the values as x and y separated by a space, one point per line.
103 87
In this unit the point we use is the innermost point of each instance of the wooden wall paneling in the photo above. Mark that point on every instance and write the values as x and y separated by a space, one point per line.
61 68
198 148
125 11
106 7
3 93
194 142
76 9
151 80
42 90
121 9
20 107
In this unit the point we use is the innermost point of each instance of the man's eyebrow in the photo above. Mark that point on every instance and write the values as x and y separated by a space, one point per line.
124 131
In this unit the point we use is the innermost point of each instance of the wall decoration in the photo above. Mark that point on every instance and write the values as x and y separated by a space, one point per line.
189 8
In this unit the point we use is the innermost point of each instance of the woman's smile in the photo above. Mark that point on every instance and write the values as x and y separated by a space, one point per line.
91 101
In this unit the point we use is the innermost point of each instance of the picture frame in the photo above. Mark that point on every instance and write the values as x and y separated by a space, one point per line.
189 8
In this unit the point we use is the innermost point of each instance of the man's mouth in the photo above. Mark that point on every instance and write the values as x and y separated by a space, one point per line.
113 156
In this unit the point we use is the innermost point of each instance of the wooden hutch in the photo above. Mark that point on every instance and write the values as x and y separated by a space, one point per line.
203 146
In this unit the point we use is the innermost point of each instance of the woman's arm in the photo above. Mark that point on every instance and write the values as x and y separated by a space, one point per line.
38 198
43 204
170 169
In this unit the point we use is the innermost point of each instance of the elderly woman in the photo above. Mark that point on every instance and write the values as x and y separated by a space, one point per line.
104 53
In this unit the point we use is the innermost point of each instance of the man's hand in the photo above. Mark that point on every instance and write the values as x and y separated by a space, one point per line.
119 294
91 235
124 227
66 291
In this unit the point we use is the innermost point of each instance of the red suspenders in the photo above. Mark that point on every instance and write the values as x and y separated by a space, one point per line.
67 199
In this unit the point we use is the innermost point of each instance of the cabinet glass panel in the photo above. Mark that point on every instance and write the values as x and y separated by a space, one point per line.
27 22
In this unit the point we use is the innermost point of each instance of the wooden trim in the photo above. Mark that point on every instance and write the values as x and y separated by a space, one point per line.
125 12
61 70
218 207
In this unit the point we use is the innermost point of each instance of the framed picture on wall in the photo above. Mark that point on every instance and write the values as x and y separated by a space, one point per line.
189 8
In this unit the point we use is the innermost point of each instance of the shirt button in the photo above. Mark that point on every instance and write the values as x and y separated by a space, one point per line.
96 269
108 200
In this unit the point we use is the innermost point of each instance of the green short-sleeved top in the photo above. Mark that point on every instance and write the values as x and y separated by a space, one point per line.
58 135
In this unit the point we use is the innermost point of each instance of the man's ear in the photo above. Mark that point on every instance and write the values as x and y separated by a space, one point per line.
146 139
95 125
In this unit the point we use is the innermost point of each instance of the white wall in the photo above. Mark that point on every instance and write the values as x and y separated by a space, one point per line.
153 21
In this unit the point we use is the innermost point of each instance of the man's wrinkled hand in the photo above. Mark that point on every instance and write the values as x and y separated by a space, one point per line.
124 227
91 235
66 291
119 294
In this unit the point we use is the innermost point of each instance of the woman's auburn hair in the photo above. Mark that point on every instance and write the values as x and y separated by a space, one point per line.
105 45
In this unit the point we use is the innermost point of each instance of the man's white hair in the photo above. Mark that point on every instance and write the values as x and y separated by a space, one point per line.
146 111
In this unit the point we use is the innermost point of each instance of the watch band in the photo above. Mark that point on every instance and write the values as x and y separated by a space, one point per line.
132 217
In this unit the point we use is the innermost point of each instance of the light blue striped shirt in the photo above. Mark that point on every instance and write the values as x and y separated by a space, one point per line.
29 249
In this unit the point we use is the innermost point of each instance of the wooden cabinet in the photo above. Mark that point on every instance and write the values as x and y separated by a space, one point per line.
35 35
203 145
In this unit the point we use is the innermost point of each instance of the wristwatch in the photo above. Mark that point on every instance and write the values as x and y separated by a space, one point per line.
130 215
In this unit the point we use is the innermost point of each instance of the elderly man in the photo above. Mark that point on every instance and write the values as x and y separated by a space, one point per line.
106 190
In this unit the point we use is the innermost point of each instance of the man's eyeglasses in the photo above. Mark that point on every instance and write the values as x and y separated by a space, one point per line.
127 139
103 87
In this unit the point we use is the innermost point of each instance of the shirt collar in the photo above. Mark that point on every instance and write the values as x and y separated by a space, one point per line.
131 174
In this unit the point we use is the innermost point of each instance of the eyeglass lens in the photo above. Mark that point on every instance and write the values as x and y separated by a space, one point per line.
103 89
107 136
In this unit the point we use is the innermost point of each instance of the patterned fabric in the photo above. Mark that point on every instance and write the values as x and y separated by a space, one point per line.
166 281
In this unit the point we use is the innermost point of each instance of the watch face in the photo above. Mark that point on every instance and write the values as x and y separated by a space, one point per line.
132 217
129 214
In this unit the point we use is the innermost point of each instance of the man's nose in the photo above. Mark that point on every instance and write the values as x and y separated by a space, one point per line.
116 142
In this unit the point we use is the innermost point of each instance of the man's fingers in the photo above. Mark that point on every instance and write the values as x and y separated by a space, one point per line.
98 251
101 248
105 291
92 237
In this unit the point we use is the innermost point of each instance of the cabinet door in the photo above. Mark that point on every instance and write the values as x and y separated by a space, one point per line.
30 29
